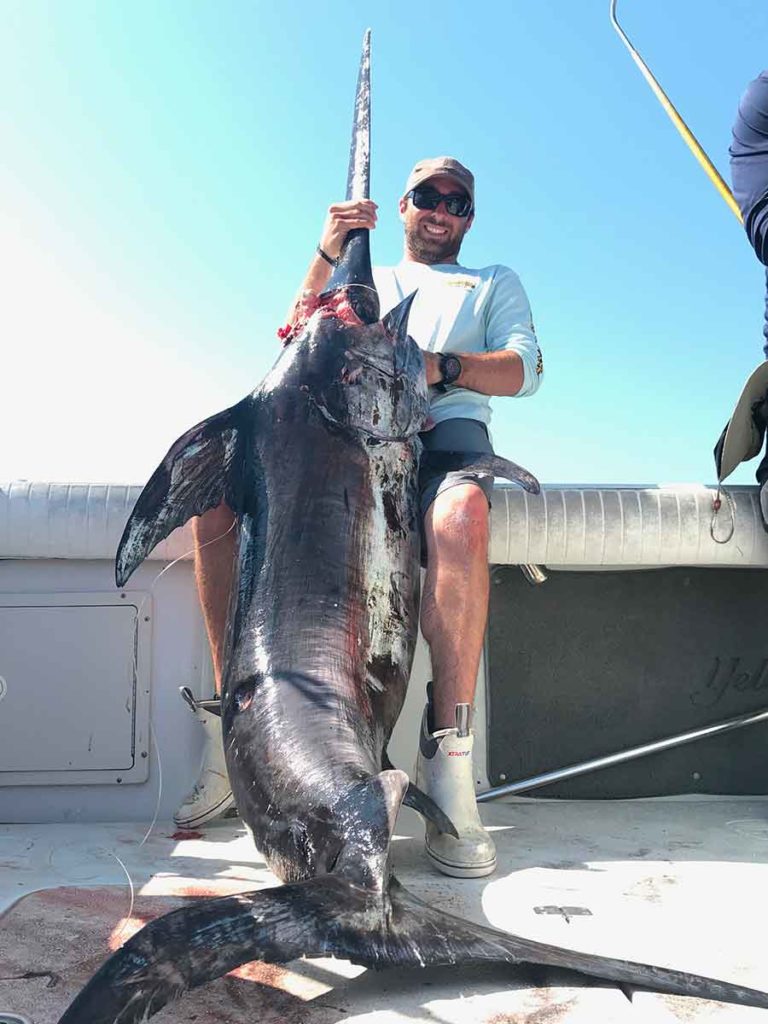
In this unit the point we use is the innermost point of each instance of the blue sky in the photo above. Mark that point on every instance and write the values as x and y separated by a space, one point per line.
166 168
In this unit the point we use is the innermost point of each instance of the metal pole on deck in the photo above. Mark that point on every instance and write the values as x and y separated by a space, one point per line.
559 774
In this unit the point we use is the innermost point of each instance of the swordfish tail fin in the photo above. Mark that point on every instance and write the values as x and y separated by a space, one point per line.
198 473
331 916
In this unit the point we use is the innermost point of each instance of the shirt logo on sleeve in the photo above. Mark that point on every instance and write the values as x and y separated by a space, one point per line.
539 360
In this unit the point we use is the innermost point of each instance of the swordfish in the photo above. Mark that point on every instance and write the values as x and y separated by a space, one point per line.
320 466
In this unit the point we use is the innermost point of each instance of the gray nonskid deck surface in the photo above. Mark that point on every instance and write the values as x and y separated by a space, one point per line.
681 883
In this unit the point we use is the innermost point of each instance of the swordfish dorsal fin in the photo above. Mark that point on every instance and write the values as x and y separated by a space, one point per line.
354 271
396 320
195 475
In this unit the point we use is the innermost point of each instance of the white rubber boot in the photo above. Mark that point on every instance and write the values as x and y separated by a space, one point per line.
211 795
444 772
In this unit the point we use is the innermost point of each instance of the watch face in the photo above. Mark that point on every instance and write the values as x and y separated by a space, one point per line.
451 368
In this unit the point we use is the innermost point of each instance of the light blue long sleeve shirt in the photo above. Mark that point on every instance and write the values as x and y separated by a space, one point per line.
458 309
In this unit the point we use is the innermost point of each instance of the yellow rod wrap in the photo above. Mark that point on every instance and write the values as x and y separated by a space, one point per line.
690 139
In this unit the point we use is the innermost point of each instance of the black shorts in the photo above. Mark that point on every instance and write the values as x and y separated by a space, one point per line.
435 472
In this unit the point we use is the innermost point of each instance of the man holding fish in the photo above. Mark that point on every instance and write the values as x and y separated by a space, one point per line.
475 330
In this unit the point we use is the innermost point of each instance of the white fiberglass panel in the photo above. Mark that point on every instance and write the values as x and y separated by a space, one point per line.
74 692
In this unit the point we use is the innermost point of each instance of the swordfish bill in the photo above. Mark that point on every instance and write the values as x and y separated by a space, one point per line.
319 464
354 269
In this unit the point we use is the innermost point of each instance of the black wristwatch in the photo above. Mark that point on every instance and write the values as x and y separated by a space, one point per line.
450 368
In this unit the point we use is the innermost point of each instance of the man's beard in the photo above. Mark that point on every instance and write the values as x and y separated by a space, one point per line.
432 250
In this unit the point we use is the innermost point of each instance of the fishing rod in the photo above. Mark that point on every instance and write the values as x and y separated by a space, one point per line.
688 137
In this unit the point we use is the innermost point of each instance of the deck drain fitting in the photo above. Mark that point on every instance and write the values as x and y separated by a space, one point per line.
13 1018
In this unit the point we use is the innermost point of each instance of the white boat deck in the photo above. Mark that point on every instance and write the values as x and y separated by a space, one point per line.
677 882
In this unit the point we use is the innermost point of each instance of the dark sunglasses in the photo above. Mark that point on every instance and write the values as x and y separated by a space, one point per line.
458 204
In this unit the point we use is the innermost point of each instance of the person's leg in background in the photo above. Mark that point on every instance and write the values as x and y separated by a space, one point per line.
215 534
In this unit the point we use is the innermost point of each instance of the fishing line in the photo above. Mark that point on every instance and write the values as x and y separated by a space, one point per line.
129 915
135 666
153 734
153 737
687 135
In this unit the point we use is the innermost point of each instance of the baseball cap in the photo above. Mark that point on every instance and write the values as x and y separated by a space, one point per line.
449 165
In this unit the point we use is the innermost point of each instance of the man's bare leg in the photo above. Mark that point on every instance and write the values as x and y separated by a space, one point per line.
454 612
454 608
215 535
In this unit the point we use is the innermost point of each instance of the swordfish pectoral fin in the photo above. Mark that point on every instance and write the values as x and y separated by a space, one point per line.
198 473
482 462
418 800
509 470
